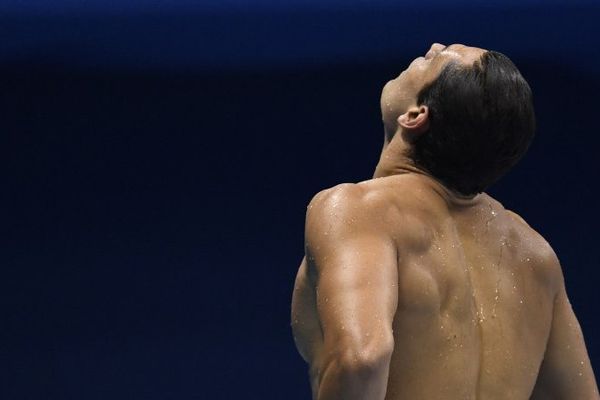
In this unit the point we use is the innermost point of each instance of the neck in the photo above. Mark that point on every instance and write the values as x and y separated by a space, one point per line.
388 169
395 161
404 165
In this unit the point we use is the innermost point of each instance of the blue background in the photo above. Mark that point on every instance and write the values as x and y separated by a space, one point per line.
160 156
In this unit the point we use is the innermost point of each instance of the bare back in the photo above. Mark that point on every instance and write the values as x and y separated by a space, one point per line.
476 291
475 302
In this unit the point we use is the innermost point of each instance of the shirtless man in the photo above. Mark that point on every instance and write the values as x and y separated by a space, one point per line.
418 285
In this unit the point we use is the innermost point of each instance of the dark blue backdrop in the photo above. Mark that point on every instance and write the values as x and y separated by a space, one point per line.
160 155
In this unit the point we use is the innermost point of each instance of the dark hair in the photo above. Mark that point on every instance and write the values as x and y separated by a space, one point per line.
481 122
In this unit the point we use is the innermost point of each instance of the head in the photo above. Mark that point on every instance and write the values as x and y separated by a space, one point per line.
463 114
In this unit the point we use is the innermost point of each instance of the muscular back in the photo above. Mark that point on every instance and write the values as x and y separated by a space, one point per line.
474 302
474 292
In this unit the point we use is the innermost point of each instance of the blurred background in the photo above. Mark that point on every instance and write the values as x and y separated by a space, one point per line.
159 157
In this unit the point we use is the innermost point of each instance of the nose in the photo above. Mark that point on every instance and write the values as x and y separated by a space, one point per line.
434 49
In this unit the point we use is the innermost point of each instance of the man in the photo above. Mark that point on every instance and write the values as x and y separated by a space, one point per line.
417 284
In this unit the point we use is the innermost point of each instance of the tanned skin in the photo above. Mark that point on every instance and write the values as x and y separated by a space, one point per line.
409 290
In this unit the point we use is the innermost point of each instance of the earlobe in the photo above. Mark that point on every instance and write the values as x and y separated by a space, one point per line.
415 120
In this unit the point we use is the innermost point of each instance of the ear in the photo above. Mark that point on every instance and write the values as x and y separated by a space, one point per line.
415 121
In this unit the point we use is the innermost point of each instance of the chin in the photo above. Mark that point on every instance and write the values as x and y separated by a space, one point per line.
386 92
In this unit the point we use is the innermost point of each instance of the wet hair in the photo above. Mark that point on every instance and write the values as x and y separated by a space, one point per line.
481 123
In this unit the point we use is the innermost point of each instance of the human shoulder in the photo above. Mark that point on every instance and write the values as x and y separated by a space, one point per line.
346 205
378 207
518 219
366 197
531 238
538 251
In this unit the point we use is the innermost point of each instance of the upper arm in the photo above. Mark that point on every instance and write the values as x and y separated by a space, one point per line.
356 273
306 330
566 372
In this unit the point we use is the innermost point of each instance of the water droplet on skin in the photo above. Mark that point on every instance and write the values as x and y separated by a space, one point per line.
481 316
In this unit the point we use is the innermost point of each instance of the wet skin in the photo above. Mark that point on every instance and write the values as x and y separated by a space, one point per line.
411 291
